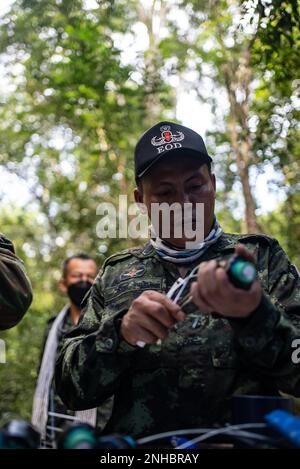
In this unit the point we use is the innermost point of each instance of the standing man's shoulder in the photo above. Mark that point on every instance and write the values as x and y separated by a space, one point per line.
131 260
260 245
122 271
262 240
275 269
49 325
137 252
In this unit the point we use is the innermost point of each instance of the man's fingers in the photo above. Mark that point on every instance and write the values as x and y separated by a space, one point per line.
135 333
150 313
139 334
153 326
206 278
173 308
199 300
159 312
241 250
222 281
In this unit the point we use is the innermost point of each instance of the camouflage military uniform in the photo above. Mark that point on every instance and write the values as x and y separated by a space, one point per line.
15 289
188 380
56 423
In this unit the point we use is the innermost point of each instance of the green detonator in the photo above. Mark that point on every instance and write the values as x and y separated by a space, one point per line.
240 271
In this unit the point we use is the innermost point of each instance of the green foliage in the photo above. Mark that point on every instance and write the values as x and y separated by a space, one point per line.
70 83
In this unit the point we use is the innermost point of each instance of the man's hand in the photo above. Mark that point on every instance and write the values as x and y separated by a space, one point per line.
213 291
149 318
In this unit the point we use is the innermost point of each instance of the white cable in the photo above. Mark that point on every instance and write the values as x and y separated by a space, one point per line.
55 429
174 287
157 436
219 431
191 431
64 416
179 285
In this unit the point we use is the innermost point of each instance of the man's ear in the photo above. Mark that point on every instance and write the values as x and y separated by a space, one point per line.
139 200
138 196
213 180
62 285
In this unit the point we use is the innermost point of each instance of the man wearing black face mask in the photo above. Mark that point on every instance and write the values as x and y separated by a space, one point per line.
79 272
49 413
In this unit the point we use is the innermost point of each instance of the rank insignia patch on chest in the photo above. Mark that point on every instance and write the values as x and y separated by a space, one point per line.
132 273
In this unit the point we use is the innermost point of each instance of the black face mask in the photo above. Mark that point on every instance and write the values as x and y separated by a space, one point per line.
77 291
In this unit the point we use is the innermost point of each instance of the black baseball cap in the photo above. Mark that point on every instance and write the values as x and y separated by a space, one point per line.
163 139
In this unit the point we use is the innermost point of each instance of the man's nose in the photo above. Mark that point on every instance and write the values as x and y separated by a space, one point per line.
84 278
183 197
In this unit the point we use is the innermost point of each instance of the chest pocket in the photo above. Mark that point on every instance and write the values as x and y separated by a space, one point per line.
121 295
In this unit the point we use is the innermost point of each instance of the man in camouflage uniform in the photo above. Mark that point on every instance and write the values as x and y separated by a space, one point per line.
15 288
232 341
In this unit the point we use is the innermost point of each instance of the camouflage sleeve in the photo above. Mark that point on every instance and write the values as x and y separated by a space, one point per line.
93 357
265 341
15 288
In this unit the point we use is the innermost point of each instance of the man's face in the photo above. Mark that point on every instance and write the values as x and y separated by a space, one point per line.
79 270
181 179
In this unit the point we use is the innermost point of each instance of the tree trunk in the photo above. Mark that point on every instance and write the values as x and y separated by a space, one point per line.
237 79
152 59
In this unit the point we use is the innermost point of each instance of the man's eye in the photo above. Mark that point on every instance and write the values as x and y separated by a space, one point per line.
163 194
196 187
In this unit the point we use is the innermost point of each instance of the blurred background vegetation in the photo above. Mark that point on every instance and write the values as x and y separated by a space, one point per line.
76 92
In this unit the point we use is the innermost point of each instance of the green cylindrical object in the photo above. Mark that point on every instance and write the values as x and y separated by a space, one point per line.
241 272
80 437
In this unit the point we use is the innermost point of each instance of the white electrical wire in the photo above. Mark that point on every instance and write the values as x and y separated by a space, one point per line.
191 431
219 431
157 436
64 416
179 286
